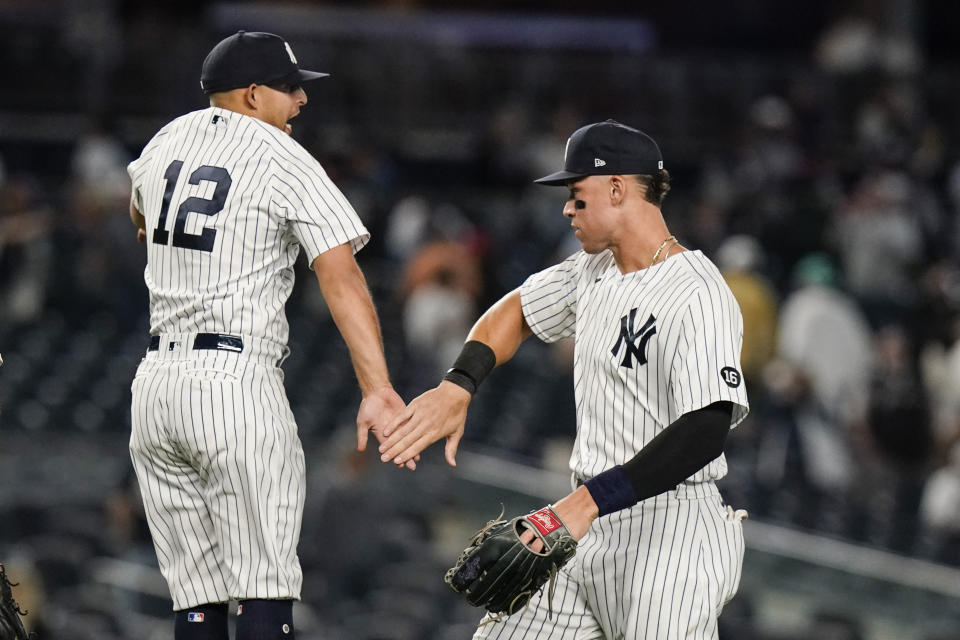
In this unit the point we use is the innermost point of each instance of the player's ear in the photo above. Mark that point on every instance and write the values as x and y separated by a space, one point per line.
250 96
618 190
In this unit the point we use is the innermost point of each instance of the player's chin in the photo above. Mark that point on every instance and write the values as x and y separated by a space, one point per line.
585 243
590 248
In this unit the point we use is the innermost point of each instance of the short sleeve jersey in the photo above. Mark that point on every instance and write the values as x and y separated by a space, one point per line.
229 202
650 346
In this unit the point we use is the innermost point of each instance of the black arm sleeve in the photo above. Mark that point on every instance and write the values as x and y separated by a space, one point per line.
679 451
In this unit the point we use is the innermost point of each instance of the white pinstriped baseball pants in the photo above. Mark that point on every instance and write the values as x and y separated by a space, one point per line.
662 570
221 470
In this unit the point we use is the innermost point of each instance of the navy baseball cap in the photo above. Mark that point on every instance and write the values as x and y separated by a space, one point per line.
252 57
605 149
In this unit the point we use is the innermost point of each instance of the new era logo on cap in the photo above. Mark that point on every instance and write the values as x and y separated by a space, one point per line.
606 148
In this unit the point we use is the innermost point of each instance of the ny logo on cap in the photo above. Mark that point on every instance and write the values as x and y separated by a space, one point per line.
293 58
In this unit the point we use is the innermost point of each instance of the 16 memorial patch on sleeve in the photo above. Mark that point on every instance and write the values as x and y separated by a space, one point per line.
731 377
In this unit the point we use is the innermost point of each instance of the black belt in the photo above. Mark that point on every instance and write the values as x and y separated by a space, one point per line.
215 341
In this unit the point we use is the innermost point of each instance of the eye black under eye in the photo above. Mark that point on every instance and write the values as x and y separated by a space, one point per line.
579 204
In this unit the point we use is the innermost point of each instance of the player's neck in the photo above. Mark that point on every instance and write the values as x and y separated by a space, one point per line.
234 101
645 244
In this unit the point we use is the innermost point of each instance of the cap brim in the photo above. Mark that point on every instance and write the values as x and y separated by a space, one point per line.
305 76
560 178
298 77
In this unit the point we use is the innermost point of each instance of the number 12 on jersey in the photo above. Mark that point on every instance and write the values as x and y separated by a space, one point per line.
202 241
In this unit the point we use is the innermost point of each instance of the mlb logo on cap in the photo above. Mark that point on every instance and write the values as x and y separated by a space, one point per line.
194 616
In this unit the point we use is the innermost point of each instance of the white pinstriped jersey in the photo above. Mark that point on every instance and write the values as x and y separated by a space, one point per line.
651 345
229 200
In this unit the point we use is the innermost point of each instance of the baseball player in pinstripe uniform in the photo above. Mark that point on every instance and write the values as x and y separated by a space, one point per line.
226 200
658 386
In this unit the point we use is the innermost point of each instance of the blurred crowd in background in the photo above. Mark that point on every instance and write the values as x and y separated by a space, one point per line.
824 182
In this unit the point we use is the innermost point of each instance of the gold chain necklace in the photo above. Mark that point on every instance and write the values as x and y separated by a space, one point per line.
660 248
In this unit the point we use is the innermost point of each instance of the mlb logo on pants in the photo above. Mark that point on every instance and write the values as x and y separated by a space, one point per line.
193 616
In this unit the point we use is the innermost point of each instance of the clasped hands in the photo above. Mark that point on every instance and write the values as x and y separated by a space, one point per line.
405 431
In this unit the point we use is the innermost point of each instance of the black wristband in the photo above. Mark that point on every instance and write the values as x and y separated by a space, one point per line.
475 361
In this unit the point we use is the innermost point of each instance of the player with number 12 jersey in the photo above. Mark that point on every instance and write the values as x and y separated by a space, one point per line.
244 196
225 201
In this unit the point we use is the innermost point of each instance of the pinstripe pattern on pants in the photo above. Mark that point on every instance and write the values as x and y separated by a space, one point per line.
661 570
221 470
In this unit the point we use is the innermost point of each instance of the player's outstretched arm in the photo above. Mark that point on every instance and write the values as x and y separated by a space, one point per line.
345 290
442 411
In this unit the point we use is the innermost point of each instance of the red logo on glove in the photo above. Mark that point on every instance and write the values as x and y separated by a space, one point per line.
545 520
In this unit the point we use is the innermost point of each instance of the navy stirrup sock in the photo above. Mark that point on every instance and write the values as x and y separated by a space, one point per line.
205 622
265 620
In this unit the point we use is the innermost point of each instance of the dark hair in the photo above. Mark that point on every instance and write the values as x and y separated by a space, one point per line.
655 186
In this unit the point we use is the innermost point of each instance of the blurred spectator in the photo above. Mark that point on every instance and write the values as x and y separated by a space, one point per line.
98 165
933 321
820 385
408 226
887 123
941 371
26 251
441 286
104 263
899 416
900 431
880 242
826 336
770 154
940 508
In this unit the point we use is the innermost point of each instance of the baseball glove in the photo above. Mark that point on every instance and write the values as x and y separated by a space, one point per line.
11 627
500 573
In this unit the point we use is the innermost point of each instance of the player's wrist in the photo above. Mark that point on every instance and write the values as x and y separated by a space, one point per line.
577 511
455 390
378 389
